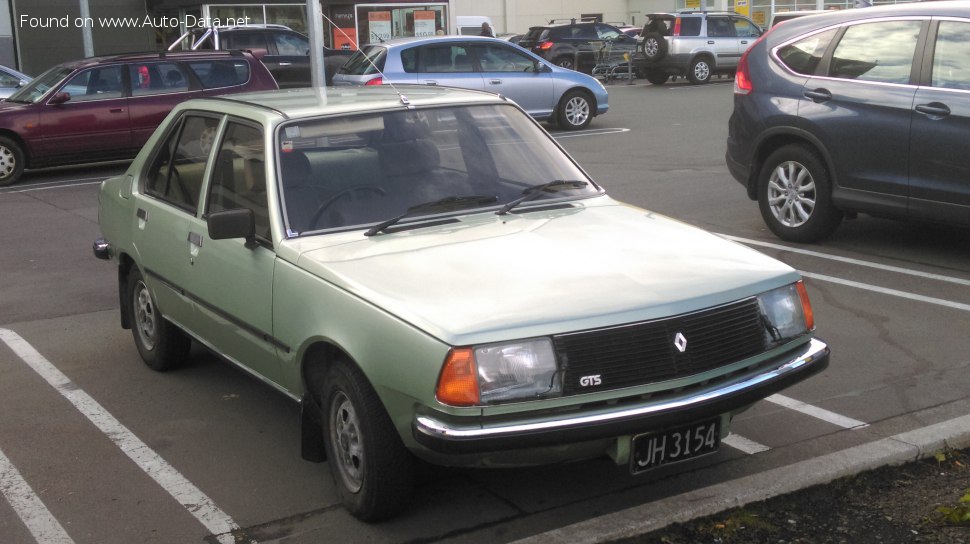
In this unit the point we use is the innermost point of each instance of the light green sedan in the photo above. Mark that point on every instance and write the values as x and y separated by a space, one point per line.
431 276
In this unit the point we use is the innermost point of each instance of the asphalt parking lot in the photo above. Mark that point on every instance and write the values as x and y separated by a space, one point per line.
96 448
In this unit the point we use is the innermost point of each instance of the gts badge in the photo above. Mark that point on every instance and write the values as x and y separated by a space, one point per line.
589 381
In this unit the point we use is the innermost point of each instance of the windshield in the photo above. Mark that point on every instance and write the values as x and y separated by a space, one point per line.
38 87
363 170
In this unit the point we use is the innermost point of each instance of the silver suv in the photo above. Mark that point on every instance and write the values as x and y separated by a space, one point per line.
695 44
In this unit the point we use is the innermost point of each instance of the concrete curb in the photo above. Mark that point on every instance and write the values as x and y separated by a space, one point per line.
893 450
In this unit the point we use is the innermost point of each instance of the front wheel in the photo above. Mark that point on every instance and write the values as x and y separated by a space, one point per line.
371 468
162 346
795 195
565 61
575 111
699 71
657 78
12 161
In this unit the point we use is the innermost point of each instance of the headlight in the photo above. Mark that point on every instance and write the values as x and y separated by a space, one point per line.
787 312
494 373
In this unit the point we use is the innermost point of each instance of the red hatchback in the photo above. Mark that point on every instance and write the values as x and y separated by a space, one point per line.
106 108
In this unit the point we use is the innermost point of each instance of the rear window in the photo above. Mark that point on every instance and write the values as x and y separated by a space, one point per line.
220 73
366 61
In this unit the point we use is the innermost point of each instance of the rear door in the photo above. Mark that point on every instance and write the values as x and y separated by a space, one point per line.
512 73
939 170
448 65
861 105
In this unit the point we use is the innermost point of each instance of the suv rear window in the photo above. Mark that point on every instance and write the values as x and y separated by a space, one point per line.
363 62
220 73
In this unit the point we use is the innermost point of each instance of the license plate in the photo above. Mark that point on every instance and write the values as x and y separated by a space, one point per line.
652 450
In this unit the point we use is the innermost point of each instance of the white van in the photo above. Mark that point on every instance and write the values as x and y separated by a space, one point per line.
471 25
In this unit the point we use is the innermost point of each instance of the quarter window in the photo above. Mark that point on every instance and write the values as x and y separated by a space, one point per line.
221 73
239 175
803 56
176 173
951 60
881 52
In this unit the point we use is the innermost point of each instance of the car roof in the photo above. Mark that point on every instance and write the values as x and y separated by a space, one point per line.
799 25
398 42
151 55
308 102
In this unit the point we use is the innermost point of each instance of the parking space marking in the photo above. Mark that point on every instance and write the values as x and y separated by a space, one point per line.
181 489
816 412
590 132
848 260
744 444
41 524
888 291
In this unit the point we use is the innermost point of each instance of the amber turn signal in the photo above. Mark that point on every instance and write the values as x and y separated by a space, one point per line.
458 383
806 305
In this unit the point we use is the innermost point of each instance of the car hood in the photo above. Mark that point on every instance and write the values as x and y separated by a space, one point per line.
489 278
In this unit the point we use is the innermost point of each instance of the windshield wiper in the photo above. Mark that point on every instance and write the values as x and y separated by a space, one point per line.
535 191
448 203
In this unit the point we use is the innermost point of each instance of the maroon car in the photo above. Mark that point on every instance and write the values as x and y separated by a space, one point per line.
106 108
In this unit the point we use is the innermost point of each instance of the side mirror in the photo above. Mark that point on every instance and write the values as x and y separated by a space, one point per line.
22 83
229 224
60 98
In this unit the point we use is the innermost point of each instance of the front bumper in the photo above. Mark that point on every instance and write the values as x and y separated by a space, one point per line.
442 437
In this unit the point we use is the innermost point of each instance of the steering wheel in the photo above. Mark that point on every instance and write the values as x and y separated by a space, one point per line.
340 194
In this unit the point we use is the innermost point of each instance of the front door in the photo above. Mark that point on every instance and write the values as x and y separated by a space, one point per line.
516 75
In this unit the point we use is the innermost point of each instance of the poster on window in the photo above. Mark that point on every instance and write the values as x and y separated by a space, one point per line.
424 23
379 26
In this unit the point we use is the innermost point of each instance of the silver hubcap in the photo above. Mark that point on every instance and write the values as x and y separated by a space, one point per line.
702 71
345 436
8 162
146 320
566 63
791 194
577 111
651 47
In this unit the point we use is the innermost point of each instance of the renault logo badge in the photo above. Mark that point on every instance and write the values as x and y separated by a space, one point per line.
680 342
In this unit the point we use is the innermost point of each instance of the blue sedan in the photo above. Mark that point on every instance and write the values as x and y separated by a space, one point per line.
547 92
11 80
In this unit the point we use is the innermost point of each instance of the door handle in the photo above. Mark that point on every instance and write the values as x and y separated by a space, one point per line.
142 214
495 81
819 95
117 110
430 82
710 42
195 239
286 64
937 110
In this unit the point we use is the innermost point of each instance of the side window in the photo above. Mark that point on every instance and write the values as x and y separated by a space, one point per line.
8 81
243 40
176 173
239 175
291 45
880 52
689 26
583 32
156 78
96 84
409 59
951 59
495 58
719 27
445 59
803 56
607 32
744 28
220 73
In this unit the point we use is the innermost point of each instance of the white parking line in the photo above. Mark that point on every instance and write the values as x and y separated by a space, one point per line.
887 291
848 260
816 412
589 132
43 526
744 444
192 498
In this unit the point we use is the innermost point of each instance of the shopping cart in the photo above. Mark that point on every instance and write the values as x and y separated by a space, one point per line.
611 64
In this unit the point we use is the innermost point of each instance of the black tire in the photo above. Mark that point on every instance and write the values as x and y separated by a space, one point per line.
12 161
162 346
657 78
700 71
372 470
565 61
654 46
795 195
575 110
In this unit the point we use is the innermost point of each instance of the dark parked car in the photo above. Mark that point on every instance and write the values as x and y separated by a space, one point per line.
862 110
105 108
576 44
287 52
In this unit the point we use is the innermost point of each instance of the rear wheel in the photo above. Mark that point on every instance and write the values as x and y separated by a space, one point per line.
699 71
162 346
575 111
372 469
795 195
12 161
565 61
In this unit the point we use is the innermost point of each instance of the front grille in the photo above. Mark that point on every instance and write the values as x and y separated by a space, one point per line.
640 353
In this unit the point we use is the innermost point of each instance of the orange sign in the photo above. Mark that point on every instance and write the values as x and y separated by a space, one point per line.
424 23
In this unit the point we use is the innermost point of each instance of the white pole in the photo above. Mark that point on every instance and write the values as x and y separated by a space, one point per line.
314 15
86 30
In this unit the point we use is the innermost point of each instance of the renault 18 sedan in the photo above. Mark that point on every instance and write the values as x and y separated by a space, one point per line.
432 277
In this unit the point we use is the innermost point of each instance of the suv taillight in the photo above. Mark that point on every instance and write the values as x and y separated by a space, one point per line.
676 27
742 77
544 45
